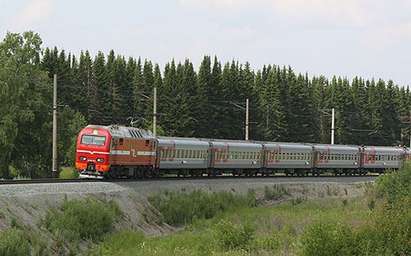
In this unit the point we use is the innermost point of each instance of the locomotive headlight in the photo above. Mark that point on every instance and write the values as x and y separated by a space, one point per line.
100 160
83 158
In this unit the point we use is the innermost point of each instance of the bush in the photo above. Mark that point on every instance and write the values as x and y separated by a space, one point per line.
13 242
275 192
182 208
82 219
68 173
395 185
323 239
230 236
387 233
393 227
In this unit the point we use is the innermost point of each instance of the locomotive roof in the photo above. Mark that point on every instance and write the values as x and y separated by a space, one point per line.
123 131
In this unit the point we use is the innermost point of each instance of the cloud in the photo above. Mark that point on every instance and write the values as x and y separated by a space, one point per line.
353 12
218 3
388 36
33 12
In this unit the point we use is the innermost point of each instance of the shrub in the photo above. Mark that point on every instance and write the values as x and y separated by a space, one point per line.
275 192
230 236
182 208
392 228
328 239
68 173
395 185
82 219
13 242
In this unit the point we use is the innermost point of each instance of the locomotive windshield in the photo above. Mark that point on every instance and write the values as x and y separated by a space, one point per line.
93 140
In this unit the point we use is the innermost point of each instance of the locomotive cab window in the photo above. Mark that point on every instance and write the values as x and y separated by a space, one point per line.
93 140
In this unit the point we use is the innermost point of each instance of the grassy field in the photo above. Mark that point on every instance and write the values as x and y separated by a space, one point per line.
227 223
274 230
379 223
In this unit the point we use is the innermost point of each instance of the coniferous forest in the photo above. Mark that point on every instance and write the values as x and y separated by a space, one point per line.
207 101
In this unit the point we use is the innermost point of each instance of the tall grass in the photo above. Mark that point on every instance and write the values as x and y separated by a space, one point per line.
68 173
275 192
13 242
230 236
82 219
179 208
388 231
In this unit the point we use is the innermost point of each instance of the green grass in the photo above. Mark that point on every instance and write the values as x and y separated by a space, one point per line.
243 230
68 173
82 219
388 231
179 208
14 242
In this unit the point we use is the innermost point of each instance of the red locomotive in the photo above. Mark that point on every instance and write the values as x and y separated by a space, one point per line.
115 151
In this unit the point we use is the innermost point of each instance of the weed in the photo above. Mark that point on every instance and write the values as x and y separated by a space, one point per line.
230 236
371 204
323 239
298 200
182 208
82 219
14 242
68 173
275 192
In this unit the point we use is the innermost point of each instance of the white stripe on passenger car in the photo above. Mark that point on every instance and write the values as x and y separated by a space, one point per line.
120 152
146 153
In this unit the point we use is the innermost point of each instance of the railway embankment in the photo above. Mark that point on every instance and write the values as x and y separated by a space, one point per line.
62 218
28 204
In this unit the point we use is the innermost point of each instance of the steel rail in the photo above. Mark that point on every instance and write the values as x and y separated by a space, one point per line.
51 180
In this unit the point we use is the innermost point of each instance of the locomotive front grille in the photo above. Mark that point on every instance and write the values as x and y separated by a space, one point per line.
91 167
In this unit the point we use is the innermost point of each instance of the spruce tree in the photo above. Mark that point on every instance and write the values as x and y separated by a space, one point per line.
100 93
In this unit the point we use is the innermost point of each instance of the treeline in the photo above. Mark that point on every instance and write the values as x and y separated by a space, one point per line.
210 102
204 102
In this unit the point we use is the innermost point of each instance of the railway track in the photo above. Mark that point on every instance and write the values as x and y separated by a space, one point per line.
51 180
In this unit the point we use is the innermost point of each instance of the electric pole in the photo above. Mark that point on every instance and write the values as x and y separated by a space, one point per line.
246 119
332 126
155 111
54 165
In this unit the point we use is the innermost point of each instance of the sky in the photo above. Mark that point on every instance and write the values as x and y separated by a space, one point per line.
367 38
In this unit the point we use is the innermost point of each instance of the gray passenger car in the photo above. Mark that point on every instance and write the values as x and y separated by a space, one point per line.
338 158
182 153
235 155
380 158
288 157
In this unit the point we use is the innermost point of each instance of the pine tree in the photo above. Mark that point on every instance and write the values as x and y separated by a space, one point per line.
100 93
204 83
275 128
137 89
82 83
129 86
170 99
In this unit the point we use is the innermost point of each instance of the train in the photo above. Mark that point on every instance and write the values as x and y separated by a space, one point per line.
116 151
